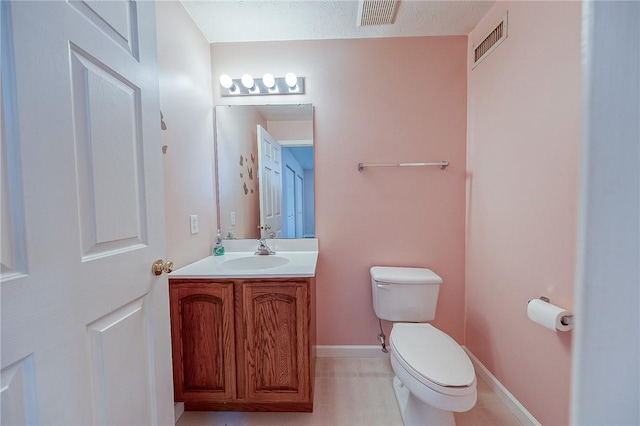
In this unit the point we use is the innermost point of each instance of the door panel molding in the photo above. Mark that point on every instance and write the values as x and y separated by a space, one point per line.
13 258
110 365
18 394
111 196
117 20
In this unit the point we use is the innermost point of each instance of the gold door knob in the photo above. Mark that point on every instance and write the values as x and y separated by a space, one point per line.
160 266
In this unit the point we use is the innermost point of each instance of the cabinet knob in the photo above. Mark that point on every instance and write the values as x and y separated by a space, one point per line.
160 266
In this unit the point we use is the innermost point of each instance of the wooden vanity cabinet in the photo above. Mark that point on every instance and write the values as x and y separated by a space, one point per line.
274 336
243 345
203 340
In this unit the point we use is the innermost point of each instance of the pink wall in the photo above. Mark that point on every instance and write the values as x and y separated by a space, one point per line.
185 100
376 100
523 136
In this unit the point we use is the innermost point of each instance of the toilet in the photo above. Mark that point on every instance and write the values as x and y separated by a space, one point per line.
434 376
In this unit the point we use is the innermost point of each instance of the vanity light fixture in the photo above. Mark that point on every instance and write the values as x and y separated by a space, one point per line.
247 81
269 81
291 84
291 79
227 82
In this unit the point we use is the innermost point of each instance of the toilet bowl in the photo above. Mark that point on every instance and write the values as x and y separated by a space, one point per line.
434 375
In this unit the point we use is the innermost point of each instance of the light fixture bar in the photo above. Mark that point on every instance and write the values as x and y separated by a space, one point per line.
260 88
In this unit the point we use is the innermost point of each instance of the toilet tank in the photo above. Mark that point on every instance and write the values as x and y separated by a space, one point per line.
404 294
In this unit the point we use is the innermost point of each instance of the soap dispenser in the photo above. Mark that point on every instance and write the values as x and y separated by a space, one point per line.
218 248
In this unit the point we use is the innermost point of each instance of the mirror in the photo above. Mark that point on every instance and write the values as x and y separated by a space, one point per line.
264 156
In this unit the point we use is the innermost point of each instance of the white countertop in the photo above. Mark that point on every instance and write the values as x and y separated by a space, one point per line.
302 256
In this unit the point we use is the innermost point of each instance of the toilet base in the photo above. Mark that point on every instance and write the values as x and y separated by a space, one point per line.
418 413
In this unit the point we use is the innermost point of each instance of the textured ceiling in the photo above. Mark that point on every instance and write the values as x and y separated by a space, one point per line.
267 20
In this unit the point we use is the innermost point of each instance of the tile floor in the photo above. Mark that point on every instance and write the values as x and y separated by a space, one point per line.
355 392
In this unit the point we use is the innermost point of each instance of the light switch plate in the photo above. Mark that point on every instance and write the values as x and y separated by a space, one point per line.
233 218
193 219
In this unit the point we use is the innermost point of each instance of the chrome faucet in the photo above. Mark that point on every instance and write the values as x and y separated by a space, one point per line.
263 249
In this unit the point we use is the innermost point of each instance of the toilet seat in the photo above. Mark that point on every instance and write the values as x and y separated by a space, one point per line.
433 358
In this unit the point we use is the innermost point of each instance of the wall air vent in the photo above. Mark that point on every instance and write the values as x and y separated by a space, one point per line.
490 42
376 12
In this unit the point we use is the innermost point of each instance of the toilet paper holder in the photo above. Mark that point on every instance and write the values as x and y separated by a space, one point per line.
565 319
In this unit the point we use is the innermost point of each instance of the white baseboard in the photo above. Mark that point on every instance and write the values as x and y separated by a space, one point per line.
350 351
505 396
178 410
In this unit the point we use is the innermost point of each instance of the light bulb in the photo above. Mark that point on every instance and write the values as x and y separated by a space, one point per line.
247 81
269 80
226 81
291 79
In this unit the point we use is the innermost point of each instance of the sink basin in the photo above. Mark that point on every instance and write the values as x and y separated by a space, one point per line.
254 262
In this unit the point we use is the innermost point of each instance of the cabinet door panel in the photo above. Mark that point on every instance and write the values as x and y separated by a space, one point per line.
276 320
203 341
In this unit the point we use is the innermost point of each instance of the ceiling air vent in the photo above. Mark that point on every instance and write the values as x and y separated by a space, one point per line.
490 42
376 12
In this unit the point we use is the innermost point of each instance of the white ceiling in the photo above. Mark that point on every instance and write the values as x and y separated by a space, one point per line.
267 20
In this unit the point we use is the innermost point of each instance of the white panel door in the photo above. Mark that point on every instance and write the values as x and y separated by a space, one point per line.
85 324
270 181
299 206
289 228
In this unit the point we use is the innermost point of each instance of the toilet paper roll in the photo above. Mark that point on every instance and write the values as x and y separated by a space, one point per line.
547 315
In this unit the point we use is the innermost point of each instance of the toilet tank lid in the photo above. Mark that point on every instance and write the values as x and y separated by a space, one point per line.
402 275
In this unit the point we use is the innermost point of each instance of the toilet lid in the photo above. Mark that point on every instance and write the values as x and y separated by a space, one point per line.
432 354
401 275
